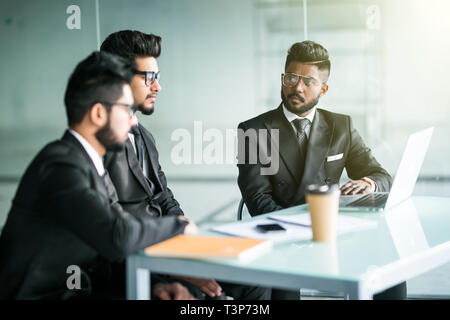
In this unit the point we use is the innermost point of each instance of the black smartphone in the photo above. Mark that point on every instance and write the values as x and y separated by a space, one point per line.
270 227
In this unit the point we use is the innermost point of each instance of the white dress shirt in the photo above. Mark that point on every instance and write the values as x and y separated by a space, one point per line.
95 157
292 116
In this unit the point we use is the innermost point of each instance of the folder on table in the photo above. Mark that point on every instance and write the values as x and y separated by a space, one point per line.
210 247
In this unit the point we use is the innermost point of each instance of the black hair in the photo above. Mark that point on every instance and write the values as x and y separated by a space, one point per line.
99 77
131 44
309 52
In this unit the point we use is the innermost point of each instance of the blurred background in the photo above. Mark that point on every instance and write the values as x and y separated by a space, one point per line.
220 64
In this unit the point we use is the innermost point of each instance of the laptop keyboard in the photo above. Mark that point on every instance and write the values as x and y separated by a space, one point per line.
373 200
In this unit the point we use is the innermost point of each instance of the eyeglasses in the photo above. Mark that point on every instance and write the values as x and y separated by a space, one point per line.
150 76
291 80
131 108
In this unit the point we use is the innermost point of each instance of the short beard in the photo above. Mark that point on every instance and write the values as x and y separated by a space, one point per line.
146 111
107 138
302 109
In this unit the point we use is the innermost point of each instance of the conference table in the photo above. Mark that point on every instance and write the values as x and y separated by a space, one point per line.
404 242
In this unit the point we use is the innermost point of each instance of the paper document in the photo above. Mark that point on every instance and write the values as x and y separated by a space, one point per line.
298 227
248 229
344 223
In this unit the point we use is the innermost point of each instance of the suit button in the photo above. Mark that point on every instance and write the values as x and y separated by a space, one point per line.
327 180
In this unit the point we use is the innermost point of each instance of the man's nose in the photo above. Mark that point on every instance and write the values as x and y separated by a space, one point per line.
300 86
155 87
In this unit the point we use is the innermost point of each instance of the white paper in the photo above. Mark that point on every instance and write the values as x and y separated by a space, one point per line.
247 229
344 223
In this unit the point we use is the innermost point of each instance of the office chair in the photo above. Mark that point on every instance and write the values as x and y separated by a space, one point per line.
240 209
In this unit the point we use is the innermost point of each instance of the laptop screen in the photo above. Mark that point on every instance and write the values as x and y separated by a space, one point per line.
409 168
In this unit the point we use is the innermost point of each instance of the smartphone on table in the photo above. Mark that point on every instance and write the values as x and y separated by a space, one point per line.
271 227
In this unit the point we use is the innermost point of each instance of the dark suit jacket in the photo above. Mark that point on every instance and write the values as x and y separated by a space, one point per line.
62 215
331 134
131 185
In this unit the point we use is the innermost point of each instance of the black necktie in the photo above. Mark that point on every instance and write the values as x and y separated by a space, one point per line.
140 150
110 189
301 125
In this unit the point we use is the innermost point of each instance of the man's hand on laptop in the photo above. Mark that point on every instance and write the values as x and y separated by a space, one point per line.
361 186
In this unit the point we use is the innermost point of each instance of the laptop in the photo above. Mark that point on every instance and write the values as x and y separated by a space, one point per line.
404 182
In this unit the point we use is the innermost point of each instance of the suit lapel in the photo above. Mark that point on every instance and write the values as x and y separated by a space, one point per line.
288 146
96 180
321 135
134 166
151 154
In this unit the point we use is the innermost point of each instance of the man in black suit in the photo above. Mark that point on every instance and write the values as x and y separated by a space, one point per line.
65 222
313 145
136 173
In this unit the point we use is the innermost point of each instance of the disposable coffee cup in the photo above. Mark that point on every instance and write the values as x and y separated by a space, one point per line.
323 205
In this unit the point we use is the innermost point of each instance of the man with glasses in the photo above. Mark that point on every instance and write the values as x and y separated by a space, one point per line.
314 145
136 172
66 236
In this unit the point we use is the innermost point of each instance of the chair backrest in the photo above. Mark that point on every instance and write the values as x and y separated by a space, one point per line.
240 209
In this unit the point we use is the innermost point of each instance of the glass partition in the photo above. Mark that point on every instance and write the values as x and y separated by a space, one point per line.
221 64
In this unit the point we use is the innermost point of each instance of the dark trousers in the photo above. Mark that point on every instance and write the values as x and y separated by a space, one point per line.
397 292
280 294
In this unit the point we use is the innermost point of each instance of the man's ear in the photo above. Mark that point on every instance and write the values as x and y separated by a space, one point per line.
98 115
323 90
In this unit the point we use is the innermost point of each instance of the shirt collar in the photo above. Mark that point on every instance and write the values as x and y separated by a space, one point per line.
292 116
95 157
131 133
